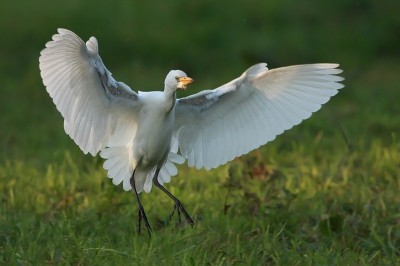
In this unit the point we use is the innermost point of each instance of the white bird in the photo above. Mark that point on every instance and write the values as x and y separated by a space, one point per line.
139 134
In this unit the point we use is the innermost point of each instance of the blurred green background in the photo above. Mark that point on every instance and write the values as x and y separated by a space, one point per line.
212 41
41 168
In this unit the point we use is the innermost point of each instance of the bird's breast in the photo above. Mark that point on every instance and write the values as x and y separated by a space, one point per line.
153 137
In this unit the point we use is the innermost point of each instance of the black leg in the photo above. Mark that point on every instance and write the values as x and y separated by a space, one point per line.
178 205
142 214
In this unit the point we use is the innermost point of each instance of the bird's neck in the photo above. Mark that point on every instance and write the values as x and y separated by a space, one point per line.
170 97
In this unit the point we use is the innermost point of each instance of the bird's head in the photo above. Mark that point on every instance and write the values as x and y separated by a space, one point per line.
177 79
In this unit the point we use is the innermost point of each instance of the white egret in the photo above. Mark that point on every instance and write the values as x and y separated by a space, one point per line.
139 134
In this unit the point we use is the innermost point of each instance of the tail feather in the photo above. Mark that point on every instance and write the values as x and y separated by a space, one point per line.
121 175
120 164
171 169
149 180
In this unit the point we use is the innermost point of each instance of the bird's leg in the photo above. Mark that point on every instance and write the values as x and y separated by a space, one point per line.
142 214
178 205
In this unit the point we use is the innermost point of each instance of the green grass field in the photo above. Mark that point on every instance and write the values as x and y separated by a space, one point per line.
324 193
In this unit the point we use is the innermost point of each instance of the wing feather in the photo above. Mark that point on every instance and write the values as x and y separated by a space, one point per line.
95 106
215 126
224 139
219 142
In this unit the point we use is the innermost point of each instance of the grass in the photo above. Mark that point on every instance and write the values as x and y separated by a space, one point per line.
323 193
284 208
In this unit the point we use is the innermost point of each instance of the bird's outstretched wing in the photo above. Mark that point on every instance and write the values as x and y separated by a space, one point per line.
215 126
98 110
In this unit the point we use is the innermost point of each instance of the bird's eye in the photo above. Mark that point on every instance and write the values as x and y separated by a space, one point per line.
177 79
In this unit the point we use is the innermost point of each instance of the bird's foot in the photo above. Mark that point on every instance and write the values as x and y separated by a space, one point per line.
179 207
142 216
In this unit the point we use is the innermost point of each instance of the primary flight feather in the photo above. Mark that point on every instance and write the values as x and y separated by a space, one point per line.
140 134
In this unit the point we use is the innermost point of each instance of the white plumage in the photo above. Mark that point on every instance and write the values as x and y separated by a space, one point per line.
214 127
143 131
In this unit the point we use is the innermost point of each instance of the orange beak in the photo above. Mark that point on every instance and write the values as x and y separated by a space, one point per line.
186 80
